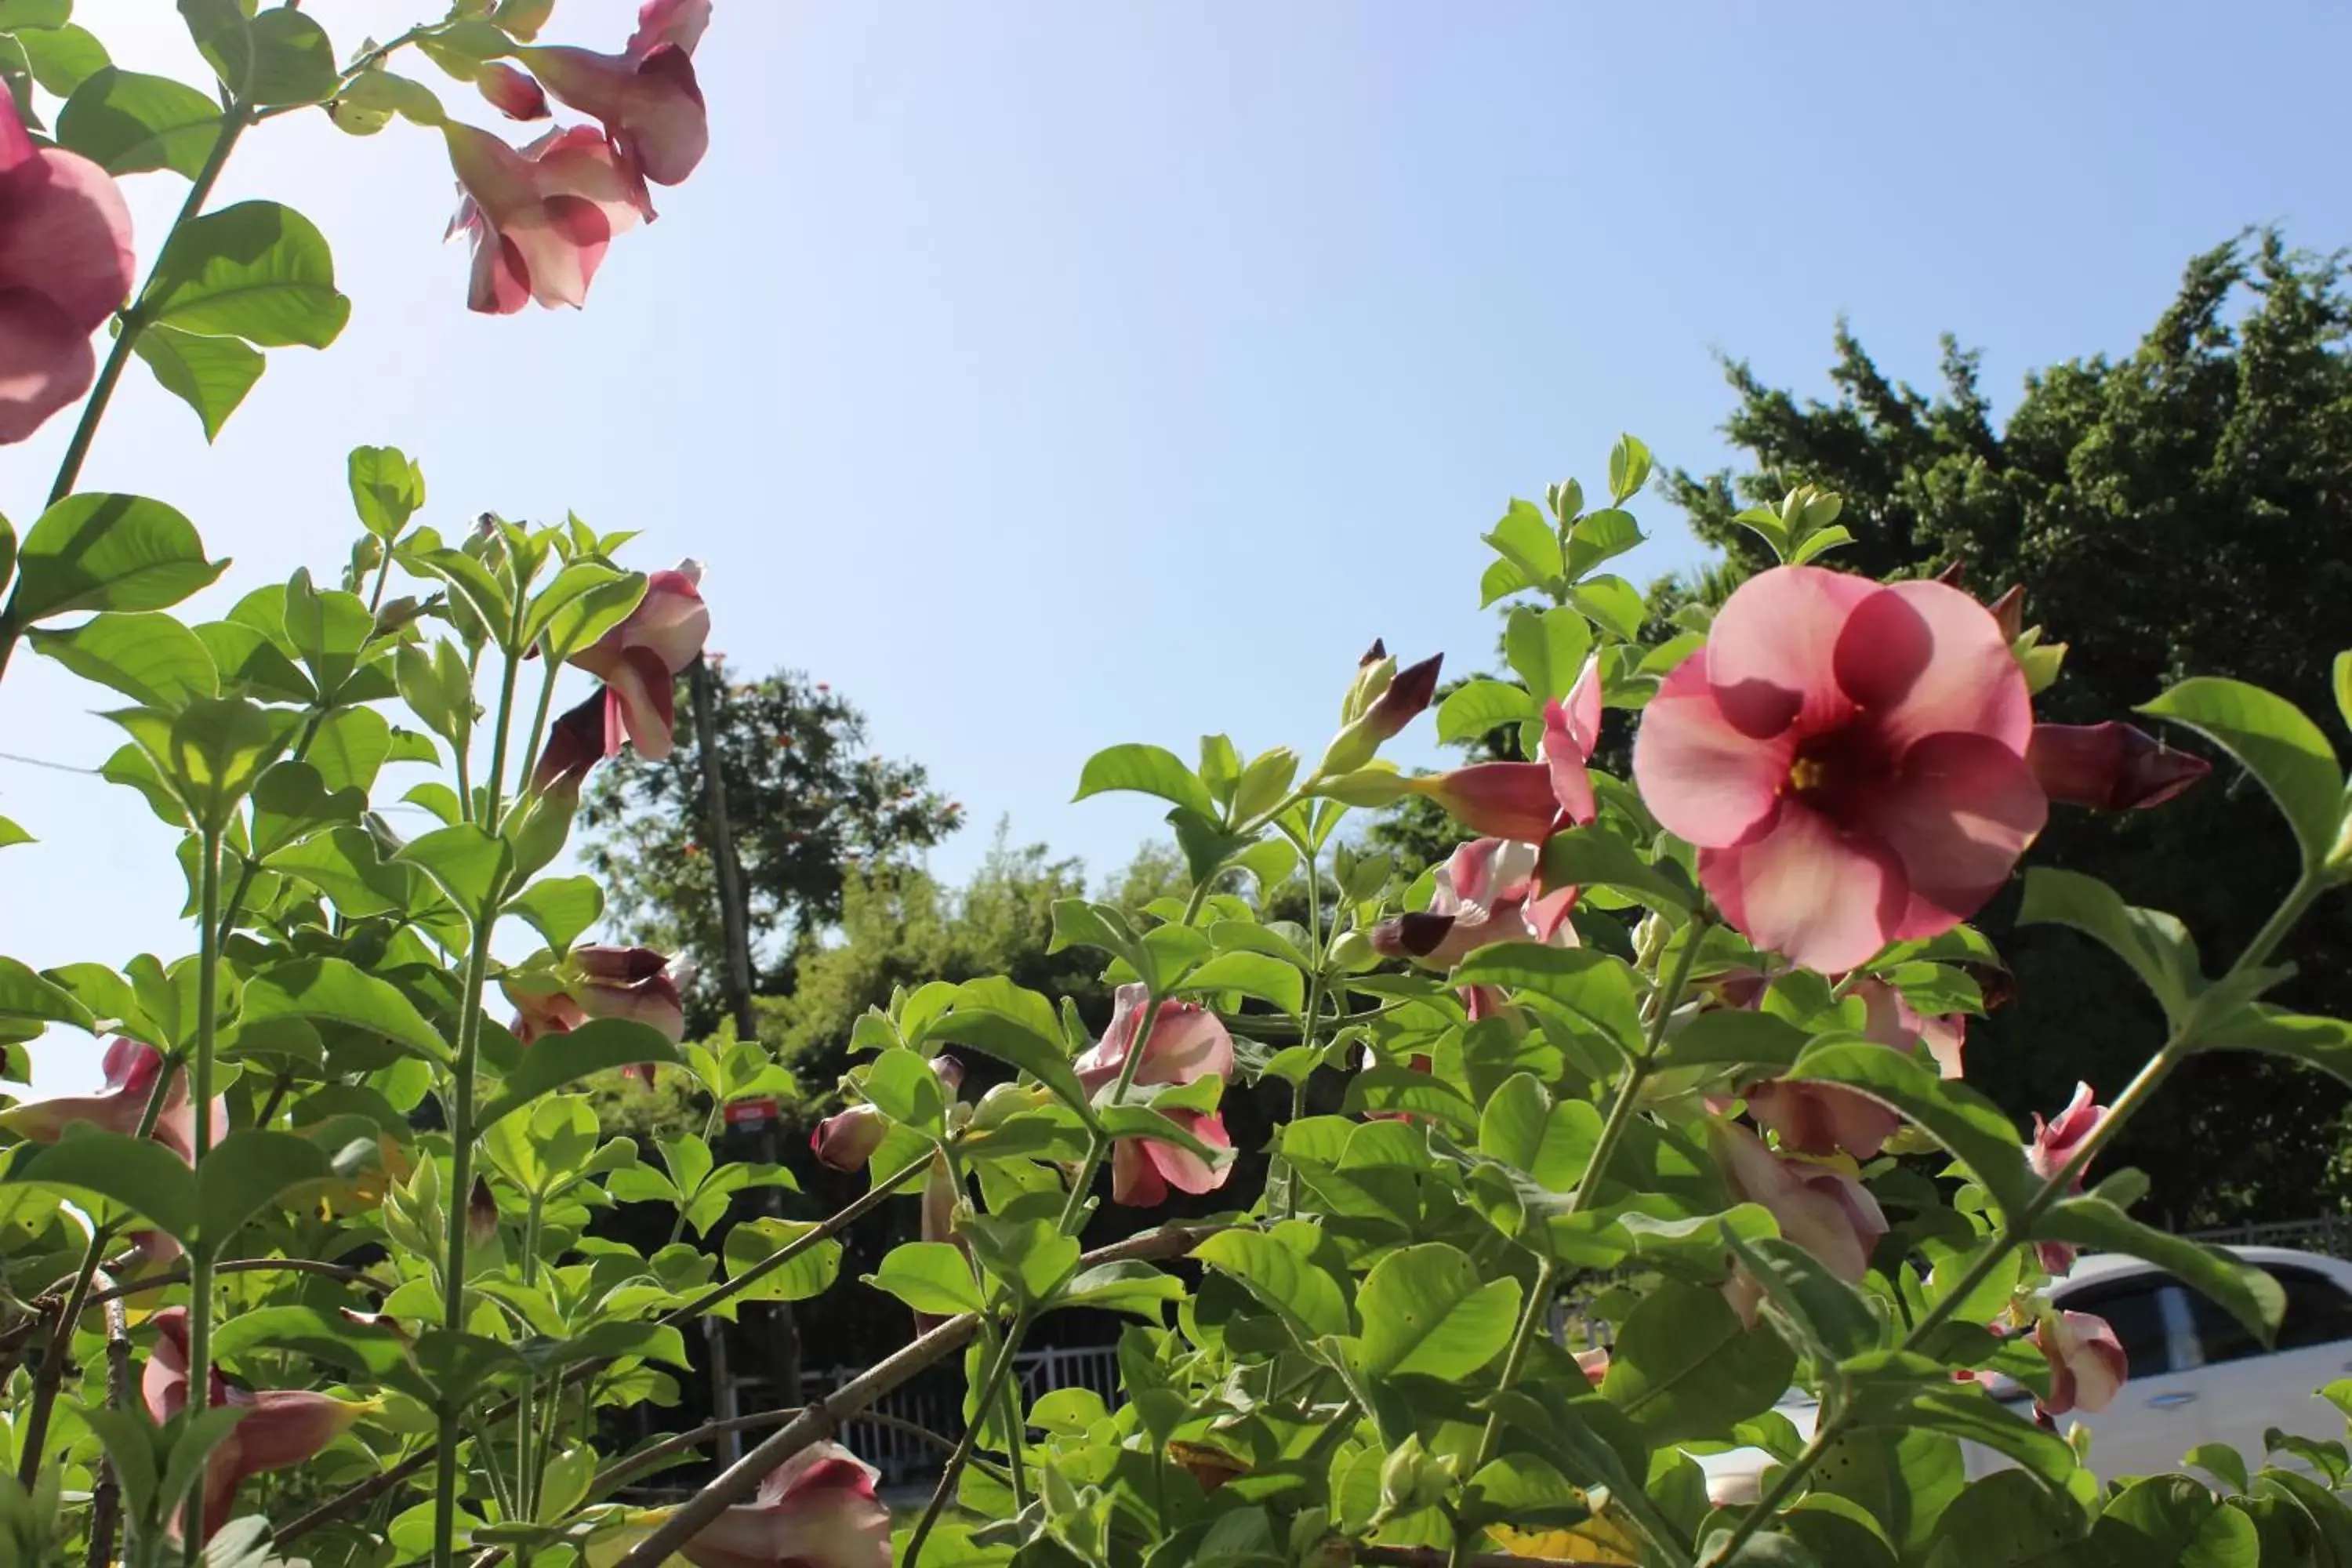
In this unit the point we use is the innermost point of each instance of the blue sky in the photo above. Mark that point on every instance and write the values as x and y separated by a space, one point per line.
1050 376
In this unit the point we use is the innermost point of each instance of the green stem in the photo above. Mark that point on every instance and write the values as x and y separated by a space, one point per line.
1000 1363
496 779
200 1091
383 574
455 1202
1515 1360
2017 1229
537 725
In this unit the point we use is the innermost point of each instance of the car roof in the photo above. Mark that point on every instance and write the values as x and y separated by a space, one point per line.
2101 1265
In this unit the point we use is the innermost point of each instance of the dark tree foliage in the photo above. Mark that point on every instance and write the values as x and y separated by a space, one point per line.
2187 507
807 801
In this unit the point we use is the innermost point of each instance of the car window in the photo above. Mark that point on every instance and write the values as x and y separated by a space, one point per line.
2318 1312
2219 1336
2132 1309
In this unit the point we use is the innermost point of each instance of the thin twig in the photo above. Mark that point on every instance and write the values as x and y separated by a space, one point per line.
336 1271
1435 1557
106 1498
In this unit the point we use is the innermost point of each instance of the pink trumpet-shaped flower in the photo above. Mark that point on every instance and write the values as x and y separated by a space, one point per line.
1819 1207
1849 759
542 218
511 92
280 1427
1530 801
1484 894
66 264
2054 1143
640 659
2110 767
816 1509
1828 1118
647 96
2088 1366
600 982
1143 1169
845 1142
1187 1043
130 1067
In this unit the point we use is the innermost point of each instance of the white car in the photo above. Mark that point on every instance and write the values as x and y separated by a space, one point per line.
2195 1375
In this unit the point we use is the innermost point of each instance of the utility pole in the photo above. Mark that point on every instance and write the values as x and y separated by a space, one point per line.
734 923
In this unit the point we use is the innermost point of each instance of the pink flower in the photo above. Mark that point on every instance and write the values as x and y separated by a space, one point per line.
1825 1119
1593 1364
602 982
280 1427
1187 1043
542 218
511 92
1849 759
130 1067
1571 730
1819 1207
844 1142
1486 893
816 1509
66 264
640 659
2110 767
2054 1143
2088 1366
1530 801
647 96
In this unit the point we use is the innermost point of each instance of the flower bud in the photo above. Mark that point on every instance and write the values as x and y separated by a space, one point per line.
481 1215
511 92
949 1072
1006 1100
1373 677
2112 766
844 1142
1496 800
1364 786
2009 612
1405 697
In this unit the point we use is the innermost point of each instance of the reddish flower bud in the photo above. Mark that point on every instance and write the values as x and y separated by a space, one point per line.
2009 612
481 1215
511 92
1496 800
2109 767
1405 697
844 1142
575 743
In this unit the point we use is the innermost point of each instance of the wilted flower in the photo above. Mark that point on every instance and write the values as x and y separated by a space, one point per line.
2088 1366
1486 893
646 96
2110 767
280 1427
66 264
1820 1205
640 659
816 1509
1849 759
541 217
511 92
2054 1143
130 1067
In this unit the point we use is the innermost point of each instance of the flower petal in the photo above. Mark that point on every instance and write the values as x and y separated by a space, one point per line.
1960 811
45 363
1703 779
65 234
1771 652
1825 899
1924 659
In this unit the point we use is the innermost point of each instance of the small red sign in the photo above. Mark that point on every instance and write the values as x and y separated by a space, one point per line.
744 1112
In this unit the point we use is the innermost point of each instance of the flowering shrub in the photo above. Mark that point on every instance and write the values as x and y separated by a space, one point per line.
1692 1040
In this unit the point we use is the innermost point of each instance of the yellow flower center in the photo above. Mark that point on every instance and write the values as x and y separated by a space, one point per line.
1806 774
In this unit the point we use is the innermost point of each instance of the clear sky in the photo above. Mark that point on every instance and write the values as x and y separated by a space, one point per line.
1050 376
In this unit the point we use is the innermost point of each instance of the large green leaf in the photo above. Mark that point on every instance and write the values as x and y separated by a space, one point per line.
1977 1132
2249 1294
245 1172
210 375
1283 1279
94 550
62 57
1426 1310
1827 1316
1526 541
597 1046
1903 1479
127 122
144 654
2177 1521
809 1272
333 988
468 861
1015 1042
255 271
930 1277
2008 1520
1521 1126
366 1350
559 907
137 1172
2278 745
388 488
1147 770
28 997
1477 706
1257 974
2155 944
1684 1366
1597 987
1731 1036
1588 857
2322 1043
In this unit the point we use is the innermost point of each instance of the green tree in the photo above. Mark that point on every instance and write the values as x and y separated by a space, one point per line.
2183 507
807 801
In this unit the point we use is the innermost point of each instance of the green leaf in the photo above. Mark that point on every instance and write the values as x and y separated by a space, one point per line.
1820 542
2155 945
1552 1143
1601 536
137 1172
597 1046
1146 770
255 271
1295 1288
2343 683
350 747
1124 1287
211 751
1016 1043
245 1172
559 907
903 1088
2276 743
11 834
2008 1520
387 488
63 57
1426 1310
1476 707
1527 541
145 655
2221 1461
1828 1317
334 989
2174 1520
1595 986
469 863
293 59
1392 1088
98 552
1547 649
810 1272
1684 1367
1612 604
1031 1256
1729 1036
127 122
1629 467
2322 1043
2249 1294
373 1350
1254 974
210 375
1976 1132
1590 858
932 1276
342 863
